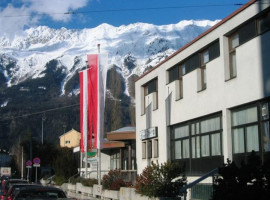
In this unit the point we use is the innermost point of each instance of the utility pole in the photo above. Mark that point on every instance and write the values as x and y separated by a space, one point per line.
42 120
22 164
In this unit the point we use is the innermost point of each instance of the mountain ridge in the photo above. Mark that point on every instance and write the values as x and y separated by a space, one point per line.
39 71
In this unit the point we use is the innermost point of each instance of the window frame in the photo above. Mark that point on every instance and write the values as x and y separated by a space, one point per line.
194 131
180 68
203 83
258 24
244 127
232 52
150 148
146 92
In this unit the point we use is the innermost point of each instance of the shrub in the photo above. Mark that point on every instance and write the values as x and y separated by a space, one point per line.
114 180
248 181
157 180
85 182
89 182
59 180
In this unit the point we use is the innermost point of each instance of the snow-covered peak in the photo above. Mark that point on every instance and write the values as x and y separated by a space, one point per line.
146 44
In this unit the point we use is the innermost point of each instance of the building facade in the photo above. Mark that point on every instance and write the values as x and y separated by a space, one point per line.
70 139
209 101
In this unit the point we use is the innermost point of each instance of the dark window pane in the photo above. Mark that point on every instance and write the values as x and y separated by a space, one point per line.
192 63
264 23
214 51
152 86
173 74
247 32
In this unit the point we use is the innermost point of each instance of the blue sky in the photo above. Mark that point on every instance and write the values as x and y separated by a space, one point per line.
16 15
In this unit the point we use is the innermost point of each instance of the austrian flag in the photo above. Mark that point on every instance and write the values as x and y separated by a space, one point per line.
92 101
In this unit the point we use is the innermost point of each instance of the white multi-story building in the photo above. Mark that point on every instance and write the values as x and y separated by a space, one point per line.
209 101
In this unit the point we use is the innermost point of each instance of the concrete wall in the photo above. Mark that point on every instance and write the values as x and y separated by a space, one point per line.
82 192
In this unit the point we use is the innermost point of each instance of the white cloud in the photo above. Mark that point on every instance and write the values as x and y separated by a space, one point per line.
15 19
53 8
10 24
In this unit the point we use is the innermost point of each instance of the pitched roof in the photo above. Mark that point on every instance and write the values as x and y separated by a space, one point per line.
72 130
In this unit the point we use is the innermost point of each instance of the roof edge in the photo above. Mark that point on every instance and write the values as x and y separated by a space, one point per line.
200 36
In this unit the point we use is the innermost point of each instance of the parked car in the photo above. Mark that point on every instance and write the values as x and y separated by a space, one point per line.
8 183
14 189
3 178
42 192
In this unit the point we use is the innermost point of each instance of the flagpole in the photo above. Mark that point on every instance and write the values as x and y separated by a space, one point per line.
98 149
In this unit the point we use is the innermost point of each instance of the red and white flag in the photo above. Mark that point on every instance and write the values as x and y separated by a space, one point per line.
83 76
94 96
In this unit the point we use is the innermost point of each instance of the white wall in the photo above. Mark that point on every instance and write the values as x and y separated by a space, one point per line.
220 95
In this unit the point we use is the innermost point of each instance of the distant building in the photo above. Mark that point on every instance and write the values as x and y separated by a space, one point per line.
119 152
70 139
210 100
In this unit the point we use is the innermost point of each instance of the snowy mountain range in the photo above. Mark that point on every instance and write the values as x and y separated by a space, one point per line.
39 73
143 44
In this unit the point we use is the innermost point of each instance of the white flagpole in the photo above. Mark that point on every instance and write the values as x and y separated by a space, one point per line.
98 139
85 92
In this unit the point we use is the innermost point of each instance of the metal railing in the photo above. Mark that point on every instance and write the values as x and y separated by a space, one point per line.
183 190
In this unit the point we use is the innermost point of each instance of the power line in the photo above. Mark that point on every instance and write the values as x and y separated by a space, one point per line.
128 10
40 112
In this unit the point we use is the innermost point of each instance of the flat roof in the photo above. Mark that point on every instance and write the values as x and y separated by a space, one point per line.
125 129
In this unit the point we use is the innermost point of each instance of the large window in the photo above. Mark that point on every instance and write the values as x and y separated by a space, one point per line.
197 139
198 144
250 131
245 130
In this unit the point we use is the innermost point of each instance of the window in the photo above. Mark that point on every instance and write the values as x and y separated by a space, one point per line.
115 160
149 149
150 88
245 130
197 138
181 138
173 74
144 150
182 70
233 43
155 148
176 74
263 23
265 127
202 70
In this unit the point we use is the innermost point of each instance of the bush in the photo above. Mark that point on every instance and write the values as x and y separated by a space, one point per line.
157 180
114 180
85 182
59 180
250 180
